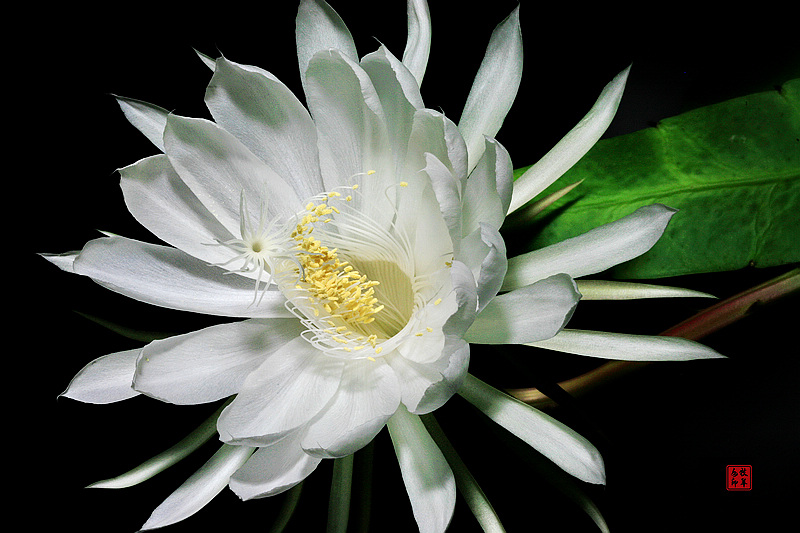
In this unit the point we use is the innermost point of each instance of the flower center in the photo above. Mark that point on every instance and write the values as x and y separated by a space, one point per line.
336 285
352 284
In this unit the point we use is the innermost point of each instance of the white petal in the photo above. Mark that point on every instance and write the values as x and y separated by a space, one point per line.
219 170
273 469
353 138
418 44
148 118
167 277
434 133
448 194
531 313
482 200
420 216
107 379
200 488
399 95
212 363
428 478
160 201
572 147
493 267
428 386
286 391
562 445
623 290
624 347
593 251
267 117
466 300
319 27
494 88
367 396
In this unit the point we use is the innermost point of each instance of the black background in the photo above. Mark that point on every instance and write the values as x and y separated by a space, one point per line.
666 432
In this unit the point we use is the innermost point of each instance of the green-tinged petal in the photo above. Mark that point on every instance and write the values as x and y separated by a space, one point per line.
465 482
319 27
339 501
207 60
63 261
494 88
622 290
535 312
572 147
562 445
200 488
105 380
418 44
428 478
148 118
625 347
593 251
165 459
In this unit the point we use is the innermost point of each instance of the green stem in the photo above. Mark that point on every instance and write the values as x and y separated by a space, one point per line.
339 502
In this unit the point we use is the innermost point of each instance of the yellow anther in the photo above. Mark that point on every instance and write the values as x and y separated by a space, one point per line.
404 184
429 330
378 350
370 172
438 301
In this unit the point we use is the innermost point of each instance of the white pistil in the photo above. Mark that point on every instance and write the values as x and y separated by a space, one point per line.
260 248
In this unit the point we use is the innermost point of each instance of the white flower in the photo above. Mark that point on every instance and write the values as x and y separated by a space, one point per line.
359 240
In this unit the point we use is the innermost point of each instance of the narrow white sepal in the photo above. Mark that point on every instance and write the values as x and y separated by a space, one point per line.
207 60
562 445
572 147
625 347
318 27
148 118
623 290
200 488
165 459
593 251
428 478
494 88
418 44
466 483
63 261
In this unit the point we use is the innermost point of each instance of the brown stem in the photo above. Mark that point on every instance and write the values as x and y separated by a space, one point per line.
703 323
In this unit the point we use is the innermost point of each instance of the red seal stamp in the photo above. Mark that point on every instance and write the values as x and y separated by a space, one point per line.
739 477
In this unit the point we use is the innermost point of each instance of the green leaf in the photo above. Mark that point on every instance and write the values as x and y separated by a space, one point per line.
732 169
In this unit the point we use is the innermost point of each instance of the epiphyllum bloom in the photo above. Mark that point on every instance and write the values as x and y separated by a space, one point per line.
360 243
